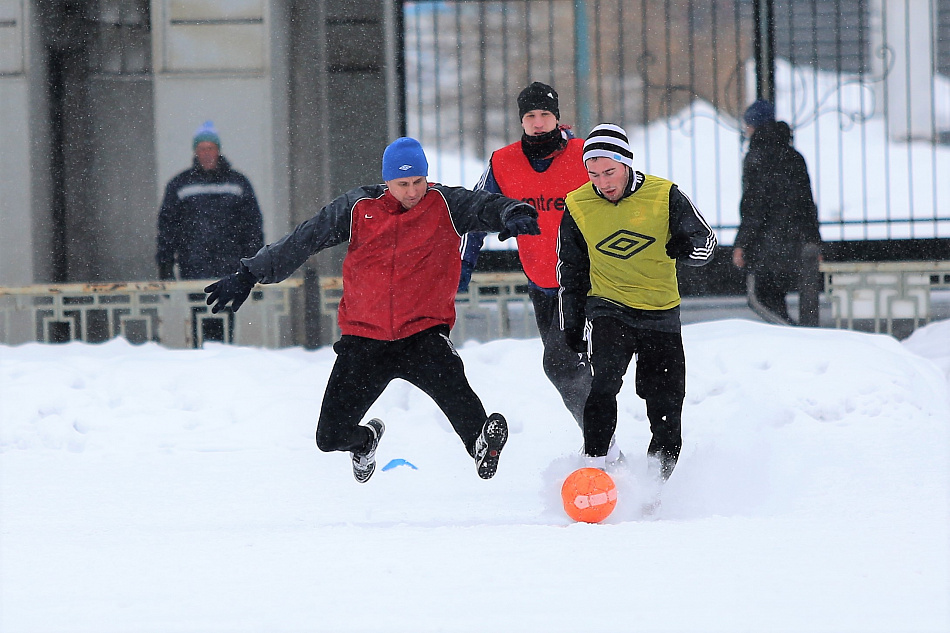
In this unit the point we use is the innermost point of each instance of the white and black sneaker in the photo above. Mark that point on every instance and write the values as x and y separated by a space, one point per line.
612 462
489 444
364 462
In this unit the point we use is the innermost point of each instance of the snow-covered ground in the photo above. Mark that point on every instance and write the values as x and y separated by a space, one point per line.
144 489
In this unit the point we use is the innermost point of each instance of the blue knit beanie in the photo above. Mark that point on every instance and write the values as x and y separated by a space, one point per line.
404 158
207 132
759 113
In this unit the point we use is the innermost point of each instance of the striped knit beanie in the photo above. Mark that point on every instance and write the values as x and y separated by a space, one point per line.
608 141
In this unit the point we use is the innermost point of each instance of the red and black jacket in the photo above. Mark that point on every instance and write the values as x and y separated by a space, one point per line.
402 266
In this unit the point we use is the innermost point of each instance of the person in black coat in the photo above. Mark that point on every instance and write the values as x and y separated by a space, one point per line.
209 218
777 212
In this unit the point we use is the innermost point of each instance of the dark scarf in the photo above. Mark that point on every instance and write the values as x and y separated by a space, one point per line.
535 147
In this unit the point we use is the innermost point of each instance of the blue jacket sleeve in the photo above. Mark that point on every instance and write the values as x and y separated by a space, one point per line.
473 241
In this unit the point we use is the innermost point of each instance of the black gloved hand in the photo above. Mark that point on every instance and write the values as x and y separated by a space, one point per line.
679 246
574 338
234 288
166 271
519 225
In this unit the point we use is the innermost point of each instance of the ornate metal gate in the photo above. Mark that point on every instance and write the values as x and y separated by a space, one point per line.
863 83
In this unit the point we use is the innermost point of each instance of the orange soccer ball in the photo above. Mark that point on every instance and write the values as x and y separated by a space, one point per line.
589 495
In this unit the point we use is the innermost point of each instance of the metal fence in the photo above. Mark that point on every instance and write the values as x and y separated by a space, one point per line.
862 83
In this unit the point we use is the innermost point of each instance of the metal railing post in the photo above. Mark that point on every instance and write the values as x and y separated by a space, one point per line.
582 68
763 16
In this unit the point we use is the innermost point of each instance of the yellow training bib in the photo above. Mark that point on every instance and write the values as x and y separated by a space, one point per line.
626 243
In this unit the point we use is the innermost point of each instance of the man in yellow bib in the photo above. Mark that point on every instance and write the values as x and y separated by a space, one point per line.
618 244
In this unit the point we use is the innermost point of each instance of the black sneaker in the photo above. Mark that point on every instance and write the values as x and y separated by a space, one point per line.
489 444
364 462
664 462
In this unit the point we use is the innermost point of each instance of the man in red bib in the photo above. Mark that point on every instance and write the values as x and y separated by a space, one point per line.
540 169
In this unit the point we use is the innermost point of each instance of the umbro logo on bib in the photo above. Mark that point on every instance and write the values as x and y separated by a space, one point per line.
624 244
405 167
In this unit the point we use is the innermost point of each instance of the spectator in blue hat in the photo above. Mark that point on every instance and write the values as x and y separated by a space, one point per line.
778 216
209 217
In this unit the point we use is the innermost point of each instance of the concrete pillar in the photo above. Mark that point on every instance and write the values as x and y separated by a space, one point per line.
16 230
359 113
344 90
225 62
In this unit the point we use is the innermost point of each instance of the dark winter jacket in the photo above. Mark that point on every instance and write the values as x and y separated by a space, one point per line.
402 266
614 257
209 220
778 213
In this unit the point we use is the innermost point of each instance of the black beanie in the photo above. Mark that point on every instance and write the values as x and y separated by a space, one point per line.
538 96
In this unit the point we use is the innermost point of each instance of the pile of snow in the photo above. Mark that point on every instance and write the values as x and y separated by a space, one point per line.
147 489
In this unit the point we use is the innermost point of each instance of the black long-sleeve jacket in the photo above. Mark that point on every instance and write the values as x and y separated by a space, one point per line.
777 210
209 220
401 269
632 265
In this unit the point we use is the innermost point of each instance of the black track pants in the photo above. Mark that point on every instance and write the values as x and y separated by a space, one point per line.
565 368
771 289
660 381
363 369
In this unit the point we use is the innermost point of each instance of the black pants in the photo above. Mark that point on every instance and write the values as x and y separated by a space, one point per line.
566 369
363 369
771 290
660 380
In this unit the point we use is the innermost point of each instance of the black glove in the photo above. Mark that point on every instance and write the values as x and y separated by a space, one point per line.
166 271
519 225
466 276
234 288
679 246
574 338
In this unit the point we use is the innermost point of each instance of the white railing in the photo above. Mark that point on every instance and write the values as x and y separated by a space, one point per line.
171 313
891 297
878 296
175 314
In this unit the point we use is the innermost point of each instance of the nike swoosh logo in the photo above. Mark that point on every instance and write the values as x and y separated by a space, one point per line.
368 217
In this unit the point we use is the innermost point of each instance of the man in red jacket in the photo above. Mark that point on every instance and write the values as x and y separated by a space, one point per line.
400 275
541 168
